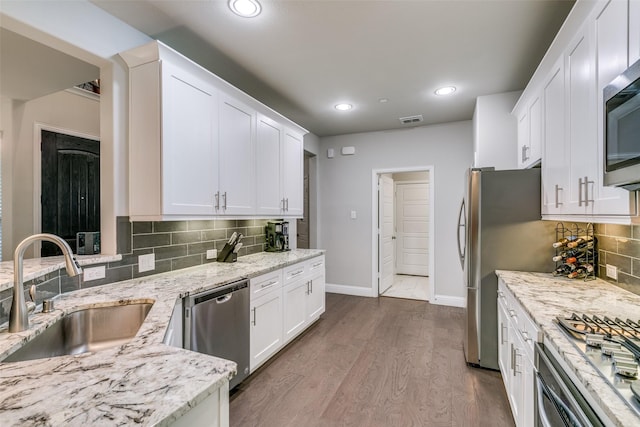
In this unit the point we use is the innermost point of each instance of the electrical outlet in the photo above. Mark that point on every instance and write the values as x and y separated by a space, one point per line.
212 253
93 273
146 263
612 271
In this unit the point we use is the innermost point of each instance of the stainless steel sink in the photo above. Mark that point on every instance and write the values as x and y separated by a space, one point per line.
91 329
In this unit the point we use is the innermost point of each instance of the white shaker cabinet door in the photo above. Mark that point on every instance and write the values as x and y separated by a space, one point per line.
269 139
236 158
295 313
316 297
292 174
189 139
555 169
580 74
612 59
266 327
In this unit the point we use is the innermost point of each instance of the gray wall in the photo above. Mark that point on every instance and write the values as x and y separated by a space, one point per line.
346 185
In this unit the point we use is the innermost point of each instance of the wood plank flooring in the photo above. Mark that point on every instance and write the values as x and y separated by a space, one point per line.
374 362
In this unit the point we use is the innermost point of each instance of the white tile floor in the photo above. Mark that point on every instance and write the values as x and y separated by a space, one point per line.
409 287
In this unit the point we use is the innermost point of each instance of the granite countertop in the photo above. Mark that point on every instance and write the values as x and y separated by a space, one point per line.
545 297
143 382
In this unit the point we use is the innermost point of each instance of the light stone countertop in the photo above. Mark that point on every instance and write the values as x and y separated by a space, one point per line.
143 382
545 297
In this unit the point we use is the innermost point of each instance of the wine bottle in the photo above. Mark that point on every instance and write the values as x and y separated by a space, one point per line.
562 242
579 272
562 270
579 241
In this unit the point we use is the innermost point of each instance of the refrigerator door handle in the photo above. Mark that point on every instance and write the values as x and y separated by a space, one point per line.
462 226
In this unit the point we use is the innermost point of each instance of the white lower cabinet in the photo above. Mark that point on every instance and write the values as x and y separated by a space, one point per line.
295 312
283 304
517 335
266 327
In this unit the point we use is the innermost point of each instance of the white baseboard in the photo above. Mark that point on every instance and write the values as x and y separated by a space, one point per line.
449 301
349 290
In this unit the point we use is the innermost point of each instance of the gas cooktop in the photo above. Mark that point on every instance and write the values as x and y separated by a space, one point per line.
612 346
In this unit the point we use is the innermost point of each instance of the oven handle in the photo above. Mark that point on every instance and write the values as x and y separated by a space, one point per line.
542 414
560 406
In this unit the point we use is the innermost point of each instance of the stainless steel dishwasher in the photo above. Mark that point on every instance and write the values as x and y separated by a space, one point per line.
216 322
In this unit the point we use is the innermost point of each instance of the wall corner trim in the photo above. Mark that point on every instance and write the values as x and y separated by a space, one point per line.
358 291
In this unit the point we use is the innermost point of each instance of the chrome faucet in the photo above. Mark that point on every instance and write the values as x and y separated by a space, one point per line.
19 316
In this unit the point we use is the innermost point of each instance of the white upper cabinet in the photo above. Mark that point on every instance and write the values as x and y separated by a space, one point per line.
236 170
197 148
555 153
612 54
292 185
592 48
529 133
581 99
173 138
270 137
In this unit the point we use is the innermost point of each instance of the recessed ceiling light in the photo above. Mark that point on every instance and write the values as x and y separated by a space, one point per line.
343 107
447 90
245 8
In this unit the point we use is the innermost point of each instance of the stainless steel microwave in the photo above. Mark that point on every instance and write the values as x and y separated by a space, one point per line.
622 130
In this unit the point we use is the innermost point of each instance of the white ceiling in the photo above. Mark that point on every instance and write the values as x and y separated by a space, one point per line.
301 57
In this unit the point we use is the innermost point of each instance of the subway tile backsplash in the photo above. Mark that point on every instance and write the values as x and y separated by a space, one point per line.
176 245
619 245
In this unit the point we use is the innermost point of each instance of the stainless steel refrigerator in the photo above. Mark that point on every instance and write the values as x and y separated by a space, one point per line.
499 228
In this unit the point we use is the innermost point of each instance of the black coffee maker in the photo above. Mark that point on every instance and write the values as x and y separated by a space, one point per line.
277 236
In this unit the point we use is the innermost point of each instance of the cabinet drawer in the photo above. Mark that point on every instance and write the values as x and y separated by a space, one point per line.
294 272
261 285
315 265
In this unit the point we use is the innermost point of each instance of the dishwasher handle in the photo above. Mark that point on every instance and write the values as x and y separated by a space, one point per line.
224 298
217 293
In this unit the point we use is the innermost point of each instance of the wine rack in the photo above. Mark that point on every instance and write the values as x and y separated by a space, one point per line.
576 252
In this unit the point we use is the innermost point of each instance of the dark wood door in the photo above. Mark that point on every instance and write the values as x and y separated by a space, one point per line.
70 188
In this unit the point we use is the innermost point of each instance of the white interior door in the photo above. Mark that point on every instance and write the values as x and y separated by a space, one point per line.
386 241
412 229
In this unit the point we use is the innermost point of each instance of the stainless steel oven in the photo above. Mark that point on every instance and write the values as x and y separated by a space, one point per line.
558 401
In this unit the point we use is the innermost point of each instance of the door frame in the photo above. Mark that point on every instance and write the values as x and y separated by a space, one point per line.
38 127
375 271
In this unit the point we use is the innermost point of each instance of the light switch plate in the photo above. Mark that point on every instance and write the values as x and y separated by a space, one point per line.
212 253
146 262
612 271
93 273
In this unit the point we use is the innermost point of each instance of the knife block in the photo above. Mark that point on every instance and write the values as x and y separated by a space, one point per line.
227 254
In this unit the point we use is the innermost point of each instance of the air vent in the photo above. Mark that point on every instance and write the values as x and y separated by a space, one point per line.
411 119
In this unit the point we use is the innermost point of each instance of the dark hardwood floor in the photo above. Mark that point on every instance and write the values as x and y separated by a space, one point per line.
374 362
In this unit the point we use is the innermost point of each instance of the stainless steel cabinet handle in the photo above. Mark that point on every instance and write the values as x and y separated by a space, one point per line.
503 328
513 359
515 363
308 288
580 191
524 153
254 316
317 265
287 199
224 198
217 200
525 336
311 285
558 202
586 191
266 285
297 273
512 313
282 203
501 294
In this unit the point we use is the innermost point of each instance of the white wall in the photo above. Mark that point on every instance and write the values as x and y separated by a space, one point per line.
83 30
495 131
346 185
63 111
